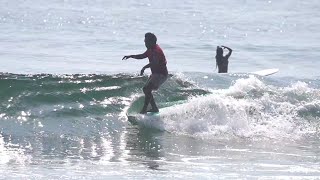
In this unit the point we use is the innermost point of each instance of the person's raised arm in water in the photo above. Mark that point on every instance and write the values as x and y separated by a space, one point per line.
230 51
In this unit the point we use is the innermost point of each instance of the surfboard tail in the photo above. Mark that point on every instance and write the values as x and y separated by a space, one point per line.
266 72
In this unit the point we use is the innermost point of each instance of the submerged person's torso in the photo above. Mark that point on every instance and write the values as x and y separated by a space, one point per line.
222 63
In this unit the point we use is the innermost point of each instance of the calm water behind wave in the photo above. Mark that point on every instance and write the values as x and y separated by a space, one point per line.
92 36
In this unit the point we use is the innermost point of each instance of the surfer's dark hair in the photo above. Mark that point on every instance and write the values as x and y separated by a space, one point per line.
219 52
151 37
219 55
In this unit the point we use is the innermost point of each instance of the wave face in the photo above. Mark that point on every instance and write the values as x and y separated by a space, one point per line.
76 103
205 106
61 119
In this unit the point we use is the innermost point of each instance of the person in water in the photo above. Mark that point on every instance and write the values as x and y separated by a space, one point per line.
222 61
159 72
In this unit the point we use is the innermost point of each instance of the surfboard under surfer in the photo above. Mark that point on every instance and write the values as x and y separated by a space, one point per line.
159 72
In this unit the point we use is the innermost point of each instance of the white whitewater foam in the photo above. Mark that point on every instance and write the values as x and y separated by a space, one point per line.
249 108
10 154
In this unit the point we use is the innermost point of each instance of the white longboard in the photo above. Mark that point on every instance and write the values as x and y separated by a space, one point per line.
266 72
136 119
148 120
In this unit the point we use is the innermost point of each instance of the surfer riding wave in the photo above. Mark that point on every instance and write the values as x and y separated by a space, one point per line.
159 71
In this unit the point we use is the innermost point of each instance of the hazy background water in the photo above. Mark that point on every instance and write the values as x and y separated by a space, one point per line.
66 36
229 127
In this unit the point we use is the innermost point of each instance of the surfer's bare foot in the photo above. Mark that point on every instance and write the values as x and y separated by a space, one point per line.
153 110
143 111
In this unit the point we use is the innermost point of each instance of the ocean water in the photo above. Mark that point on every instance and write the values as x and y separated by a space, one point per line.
65 91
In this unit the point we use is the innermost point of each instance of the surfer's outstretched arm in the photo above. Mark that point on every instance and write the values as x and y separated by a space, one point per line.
229 49
138 56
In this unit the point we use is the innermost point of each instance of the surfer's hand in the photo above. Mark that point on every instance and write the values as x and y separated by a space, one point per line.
142 71
126 57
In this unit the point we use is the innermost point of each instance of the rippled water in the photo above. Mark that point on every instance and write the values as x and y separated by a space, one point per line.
56 123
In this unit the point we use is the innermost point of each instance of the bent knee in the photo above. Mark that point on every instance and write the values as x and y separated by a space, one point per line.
146 89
